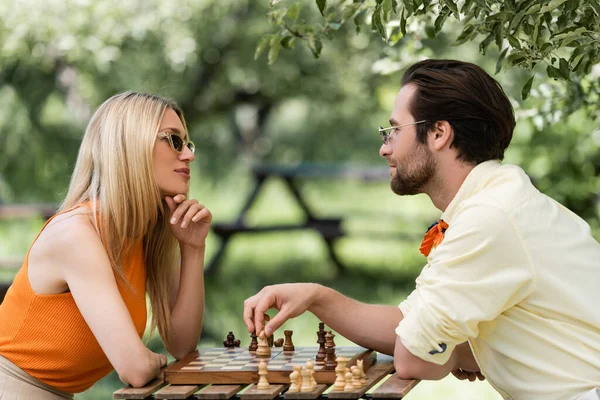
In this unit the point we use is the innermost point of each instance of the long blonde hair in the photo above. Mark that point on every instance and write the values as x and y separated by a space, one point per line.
115 173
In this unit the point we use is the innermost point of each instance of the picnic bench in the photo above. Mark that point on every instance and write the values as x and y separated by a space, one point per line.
329 228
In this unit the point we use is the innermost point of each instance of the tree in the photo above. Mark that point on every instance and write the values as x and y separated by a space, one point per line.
560 36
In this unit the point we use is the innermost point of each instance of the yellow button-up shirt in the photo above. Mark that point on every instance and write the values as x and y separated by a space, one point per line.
518 277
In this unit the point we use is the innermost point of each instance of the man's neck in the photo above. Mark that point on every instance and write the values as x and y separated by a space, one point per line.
448 179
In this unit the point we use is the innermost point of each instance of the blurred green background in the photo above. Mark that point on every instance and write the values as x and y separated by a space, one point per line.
60 59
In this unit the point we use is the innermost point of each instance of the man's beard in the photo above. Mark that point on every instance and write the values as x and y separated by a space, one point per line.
414 173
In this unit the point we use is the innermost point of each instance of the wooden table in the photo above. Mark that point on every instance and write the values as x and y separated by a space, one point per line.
381 371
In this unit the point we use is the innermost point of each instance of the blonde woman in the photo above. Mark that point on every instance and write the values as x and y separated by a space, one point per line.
77 307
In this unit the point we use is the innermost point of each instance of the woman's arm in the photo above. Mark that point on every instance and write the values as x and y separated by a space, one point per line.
74 250
190 222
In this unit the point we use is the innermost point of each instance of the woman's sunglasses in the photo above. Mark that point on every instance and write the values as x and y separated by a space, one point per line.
176 142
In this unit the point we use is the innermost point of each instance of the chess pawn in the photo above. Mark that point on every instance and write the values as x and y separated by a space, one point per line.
263 383
355 377
306 386
298 369
288 345
294 387
349 386
253 342
311 368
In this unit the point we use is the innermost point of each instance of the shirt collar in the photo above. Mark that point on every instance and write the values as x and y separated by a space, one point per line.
473 183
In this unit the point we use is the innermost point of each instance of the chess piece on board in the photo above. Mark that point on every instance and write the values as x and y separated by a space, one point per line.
320 358
288 345
230 342
355 377
294 387
263 383
330 363
306 386
332 336
349 386
263 350
265 322
363 377
254 342
311 368
340 370
278 342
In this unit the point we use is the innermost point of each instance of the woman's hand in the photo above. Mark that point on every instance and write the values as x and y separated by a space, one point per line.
189 220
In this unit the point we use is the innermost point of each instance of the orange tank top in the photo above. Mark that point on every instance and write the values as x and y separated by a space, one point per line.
47 337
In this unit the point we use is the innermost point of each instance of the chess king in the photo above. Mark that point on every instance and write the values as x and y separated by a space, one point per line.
509 291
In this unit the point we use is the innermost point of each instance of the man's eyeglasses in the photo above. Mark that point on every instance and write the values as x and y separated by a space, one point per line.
386 132
177 142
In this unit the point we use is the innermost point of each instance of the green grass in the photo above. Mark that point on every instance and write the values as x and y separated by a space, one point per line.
373 253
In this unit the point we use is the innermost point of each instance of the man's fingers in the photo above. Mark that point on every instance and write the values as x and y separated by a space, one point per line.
278 320
249 305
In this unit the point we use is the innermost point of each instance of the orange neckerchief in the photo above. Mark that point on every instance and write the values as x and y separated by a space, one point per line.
433 237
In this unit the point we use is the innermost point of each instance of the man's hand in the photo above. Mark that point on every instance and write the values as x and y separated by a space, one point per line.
467 367
291 299
471 376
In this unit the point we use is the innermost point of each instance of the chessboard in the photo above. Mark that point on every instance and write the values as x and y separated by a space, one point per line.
240 366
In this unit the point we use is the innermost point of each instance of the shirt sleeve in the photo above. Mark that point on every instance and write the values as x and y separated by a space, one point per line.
479 270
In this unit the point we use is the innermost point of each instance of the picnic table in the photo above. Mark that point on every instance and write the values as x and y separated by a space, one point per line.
329 228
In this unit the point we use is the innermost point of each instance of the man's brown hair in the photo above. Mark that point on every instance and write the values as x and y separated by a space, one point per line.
472 102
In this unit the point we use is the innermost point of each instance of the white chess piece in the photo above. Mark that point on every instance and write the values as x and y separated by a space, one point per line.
349 387
263 383
340 381
306 386
294 388
355 377
310 366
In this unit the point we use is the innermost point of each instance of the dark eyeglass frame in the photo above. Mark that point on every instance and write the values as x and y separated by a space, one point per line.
176 141
386 132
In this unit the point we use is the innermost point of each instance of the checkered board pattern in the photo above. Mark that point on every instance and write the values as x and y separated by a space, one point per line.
238 365
238 359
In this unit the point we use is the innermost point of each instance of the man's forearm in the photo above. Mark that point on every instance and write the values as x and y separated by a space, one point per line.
368 325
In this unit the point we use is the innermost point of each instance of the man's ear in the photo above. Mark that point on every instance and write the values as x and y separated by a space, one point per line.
440 136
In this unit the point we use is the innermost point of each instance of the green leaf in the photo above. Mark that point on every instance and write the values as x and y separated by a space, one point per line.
274 50
546 48
440 20
527 88
552 5
595 6
315 45
262 45
377 24
403 23
387 8
498 35
466 6
465 35
452 5
514 42
485 43
564 68
322 4
501 60
554 72
293 12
